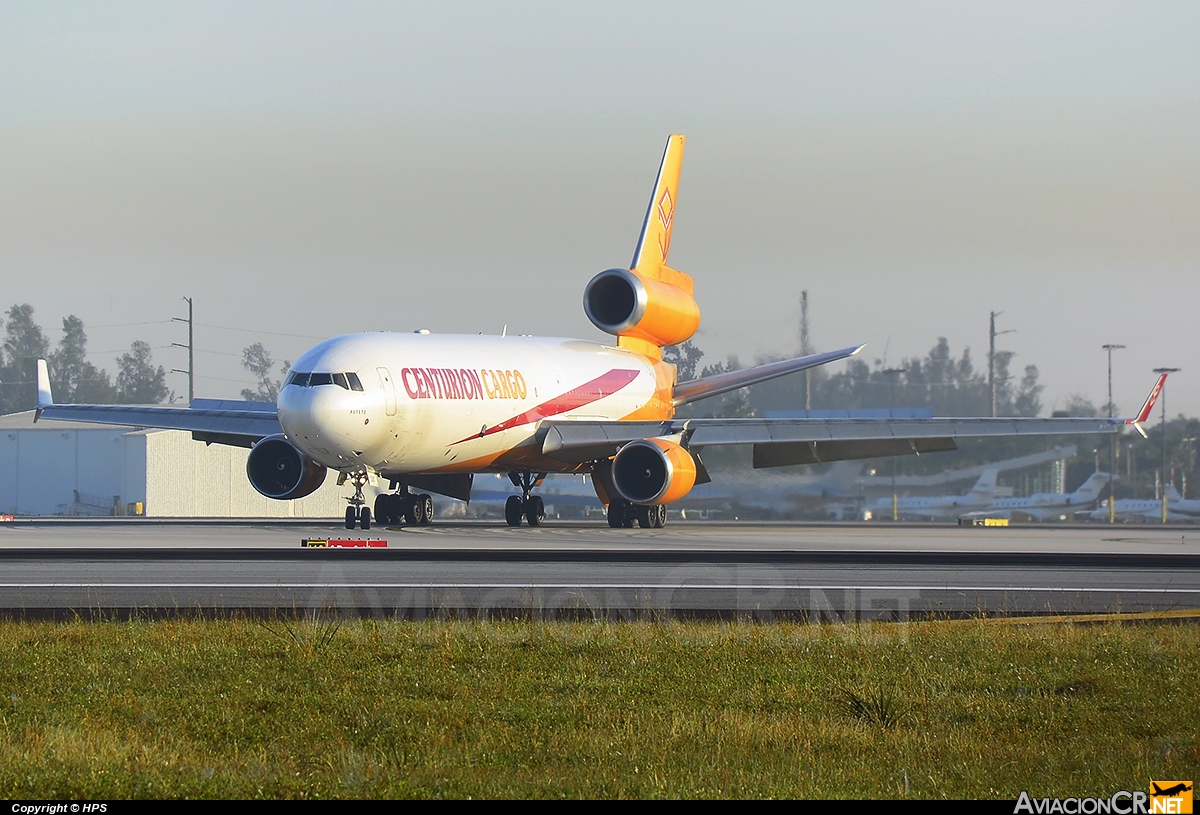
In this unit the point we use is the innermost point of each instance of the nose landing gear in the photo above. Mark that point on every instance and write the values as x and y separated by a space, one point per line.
358 511
527 506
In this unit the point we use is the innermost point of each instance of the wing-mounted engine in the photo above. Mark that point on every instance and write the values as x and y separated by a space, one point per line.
280 470
630 304
653 471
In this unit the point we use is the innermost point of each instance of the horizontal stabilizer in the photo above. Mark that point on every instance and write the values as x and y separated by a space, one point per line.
717 384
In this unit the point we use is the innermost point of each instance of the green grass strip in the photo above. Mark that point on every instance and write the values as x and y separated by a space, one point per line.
287 709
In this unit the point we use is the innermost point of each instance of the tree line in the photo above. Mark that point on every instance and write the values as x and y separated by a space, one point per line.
73 378
941 381
950 384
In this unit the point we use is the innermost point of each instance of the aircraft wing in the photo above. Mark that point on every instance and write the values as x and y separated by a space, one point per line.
214 421
237 427
717 384
779 442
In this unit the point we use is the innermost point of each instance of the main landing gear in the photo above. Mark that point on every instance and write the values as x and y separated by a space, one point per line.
404 507
622 514
401 507
529 507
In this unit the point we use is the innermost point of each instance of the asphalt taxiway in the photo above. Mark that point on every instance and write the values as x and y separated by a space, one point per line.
764 571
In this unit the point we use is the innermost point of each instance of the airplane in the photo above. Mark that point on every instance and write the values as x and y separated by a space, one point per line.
1043 506
939 506
1178 508
1170 792
427 412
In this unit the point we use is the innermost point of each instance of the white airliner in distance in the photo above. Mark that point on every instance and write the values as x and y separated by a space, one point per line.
939 506
424 411
1128 509
1044 506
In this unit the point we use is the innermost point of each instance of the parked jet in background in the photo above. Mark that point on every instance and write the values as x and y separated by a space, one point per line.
1150 509
938 506
1044 506
428 412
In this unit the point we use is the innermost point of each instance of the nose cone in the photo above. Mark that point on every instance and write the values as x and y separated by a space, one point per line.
330 424
304 413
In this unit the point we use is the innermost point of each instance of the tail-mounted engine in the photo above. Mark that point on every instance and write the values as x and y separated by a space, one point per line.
653 471
280 470
630 304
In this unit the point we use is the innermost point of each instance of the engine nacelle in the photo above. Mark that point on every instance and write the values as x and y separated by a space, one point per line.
628 304
653 471
280 470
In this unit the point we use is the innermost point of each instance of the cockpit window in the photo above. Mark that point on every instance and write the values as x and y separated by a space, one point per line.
349 381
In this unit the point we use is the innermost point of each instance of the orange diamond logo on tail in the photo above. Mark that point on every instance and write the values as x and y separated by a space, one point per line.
666 209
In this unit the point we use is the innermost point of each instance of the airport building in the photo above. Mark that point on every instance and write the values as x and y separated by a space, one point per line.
79 468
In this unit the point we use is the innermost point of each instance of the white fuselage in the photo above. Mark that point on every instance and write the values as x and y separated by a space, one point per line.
1045 506
445 403
1178 509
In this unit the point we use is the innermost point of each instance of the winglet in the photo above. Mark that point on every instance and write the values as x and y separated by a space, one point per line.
1148 405
45 398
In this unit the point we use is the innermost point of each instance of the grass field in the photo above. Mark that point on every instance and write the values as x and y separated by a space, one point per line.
518 709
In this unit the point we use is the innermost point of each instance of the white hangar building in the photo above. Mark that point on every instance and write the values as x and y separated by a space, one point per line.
78 468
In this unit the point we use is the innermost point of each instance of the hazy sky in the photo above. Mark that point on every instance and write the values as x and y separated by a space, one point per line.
308 169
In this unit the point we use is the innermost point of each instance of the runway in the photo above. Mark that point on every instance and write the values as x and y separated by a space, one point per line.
764 571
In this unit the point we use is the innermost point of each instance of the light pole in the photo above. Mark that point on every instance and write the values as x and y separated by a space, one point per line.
1162 479
1112 442
992 334
191 346
891 374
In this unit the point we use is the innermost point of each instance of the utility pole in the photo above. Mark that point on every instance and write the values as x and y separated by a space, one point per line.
891 373
1162 398
1112 441
804 349
191 347
992 334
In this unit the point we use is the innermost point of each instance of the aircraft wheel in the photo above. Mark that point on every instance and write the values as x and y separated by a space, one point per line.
426 502
351 517
535 510
384 509
644 515
658 516
364 518
616 513
512 510
416 513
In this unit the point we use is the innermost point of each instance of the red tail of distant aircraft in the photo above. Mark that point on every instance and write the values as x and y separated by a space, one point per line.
1148 406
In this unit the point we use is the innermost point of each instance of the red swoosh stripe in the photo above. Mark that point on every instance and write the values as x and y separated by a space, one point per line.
595 390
